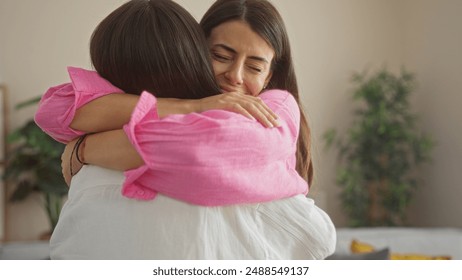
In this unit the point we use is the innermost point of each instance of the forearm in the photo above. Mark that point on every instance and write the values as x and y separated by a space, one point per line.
112 111
111 149
88 104
105 113
172 106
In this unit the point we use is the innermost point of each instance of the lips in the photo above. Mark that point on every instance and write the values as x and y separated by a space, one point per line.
227 89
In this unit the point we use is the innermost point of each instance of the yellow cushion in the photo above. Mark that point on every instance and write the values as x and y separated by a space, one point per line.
362 247
395 256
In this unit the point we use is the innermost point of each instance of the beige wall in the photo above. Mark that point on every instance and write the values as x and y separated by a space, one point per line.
38 39
433 44
331 39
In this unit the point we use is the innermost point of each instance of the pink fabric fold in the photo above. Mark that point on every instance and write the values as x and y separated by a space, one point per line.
58 105
217 157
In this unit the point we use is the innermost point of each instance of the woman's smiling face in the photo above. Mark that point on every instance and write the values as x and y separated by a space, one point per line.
241 58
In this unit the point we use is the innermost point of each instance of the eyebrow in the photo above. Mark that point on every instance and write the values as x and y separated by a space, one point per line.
258 58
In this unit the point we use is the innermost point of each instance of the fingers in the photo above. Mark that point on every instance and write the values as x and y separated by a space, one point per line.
265 115
260 115
249 106
65 166
66 173
67 179
258 109
240 110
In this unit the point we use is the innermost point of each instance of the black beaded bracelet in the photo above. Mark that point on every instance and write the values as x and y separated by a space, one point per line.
77 151
76 146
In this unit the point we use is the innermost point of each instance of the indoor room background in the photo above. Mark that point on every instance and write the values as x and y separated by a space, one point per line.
331 40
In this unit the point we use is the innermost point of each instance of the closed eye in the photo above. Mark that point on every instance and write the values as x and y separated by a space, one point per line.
258 70
220 57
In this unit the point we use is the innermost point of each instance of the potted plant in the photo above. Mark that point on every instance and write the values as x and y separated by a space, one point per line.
34 164
381 151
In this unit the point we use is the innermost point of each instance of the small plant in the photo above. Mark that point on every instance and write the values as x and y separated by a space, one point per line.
380 153
34 164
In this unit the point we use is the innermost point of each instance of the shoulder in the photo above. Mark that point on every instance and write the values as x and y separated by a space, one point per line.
278 95
275 94
89 81
281 97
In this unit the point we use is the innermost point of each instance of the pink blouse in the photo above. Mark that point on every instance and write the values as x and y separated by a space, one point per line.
214 158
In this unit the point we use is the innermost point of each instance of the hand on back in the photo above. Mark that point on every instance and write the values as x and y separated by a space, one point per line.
249 106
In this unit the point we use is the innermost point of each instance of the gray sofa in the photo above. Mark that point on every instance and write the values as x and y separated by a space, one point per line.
31 250
403 240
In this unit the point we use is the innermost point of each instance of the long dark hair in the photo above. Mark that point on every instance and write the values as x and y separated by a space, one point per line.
265 20
153 45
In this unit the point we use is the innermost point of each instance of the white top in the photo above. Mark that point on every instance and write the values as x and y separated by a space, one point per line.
97 222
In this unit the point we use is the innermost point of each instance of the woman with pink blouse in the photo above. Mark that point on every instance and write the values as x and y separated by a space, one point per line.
244 172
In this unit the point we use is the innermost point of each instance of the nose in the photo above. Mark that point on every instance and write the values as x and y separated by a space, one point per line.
235 74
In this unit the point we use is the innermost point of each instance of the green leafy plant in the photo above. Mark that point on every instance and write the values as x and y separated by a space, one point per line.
34 164
380 153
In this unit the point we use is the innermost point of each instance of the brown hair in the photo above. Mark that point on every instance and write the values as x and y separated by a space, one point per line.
153 45
265 20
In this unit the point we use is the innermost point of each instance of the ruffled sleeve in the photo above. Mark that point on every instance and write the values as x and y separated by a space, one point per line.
136 130
59 104
145 110
56 111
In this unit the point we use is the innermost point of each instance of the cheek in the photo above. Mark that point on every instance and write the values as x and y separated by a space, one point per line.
218 68
255 86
